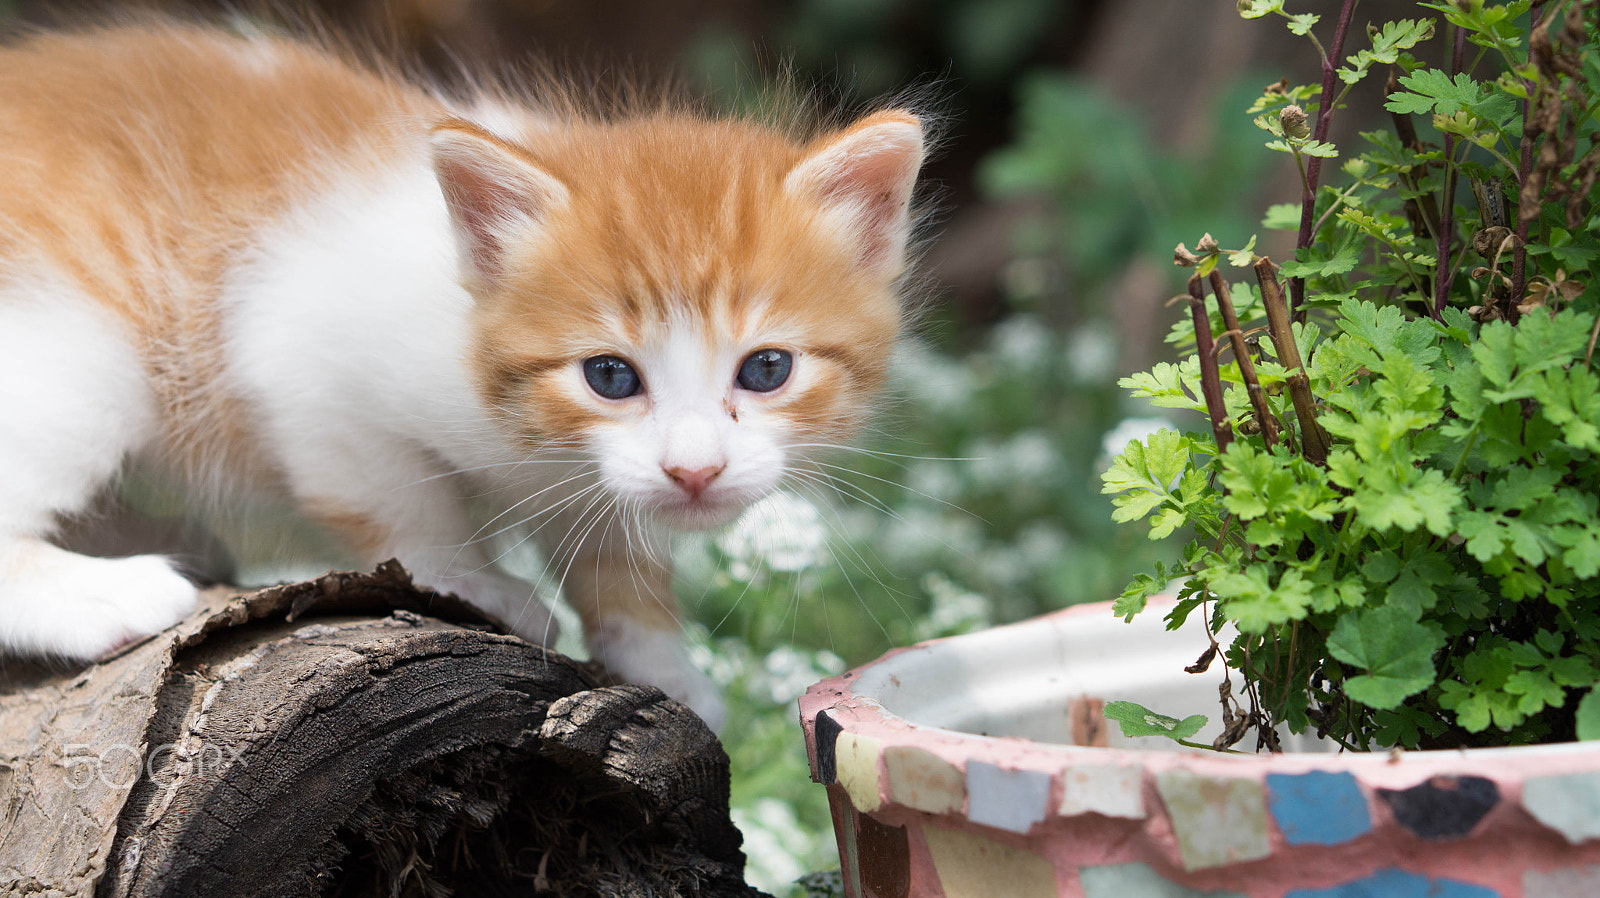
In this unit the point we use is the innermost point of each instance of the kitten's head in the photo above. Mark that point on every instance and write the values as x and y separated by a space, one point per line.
694 302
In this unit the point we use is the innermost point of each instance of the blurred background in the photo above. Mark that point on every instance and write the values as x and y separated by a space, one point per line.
1082 139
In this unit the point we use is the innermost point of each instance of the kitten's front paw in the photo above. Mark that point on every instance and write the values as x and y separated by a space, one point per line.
511 601
55 602
657 657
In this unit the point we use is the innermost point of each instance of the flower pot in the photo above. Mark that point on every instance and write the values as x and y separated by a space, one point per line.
979 767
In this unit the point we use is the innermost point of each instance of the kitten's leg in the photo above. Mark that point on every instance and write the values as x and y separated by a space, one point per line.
393 502
631 624
73 403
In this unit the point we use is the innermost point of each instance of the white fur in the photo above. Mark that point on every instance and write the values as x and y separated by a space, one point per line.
692 400
643 655
347 334
73 403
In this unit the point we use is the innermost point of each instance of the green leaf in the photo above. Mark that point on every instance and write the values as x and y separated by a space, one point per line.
1137 720
1166 521
1583 549
1386 46
1255 9
1308 263
1395 649
1589 715
1301 24
1381 567
1133 599
1433 91
1405 498
1253 603
1282 217
1570 400
1536 690
1244 258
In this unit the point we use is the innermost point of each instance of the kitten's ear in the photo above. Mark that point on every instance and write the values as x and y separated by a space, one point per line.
865 177
495 193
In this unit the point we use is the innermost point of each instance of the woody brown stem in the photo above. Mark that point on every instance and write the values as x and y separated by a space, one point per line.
1525 151
1308 196
1445 273
1313 442
1210 378
1247 368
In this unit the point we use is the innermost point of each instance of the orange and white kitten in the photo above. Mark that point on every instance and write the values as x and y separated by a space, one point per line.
277 272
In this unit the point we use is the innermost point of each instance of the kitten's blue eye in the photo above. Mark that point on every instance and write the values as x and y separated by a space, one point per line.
611 377
765 370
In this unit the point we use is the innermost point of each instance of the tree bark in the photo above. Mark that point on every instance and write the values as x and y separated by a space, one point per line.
394 745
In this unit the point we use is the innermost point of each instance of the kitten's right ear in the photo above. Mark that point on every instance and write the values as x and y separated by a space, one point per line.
864 178
495 193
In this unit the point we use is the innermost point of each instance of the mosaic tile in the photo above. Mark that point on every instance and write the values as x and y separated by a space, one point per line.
1128 880
1568 804
1111 790
1218 820
1392 883
1567 882
827 731
921 779
1444 807
971 866
856 757
883 857
1318 808
1012 800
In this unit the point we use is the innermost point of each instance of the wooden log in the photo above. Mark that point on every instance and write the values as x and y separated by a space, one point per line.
391 744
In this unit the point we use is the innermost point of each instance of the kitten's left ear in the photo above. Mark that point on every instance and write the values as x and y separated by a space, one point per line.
496 194
864 176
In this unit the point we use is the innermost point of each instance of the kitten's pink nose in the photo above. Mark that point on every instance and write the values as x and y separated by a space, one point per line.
694 481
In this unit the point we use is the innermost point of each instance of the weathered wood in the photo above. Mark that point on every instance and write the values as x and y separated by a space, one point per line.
370 750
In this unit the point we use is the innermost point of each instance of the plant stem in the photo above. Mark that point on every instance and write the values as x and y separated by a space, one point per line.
1313 169
1210 378
1445 274
1519 257
1466 452
1247 368
1313 443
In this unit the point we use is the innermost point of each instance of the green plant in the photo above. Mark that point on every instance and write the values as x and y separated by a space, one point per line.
1397 505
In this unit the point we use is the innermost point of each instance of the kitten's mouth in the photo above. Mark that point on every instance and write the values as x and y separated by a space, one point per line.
700 512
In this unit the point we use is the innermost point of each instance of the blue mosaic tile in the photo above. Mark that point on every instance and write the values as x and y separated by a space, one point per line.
1392 883
1318 808
1444 807
1012 800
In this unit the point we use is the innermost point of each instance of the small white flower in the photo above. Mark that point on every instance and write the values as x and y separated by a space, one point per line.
934 478
777 849
1091 353
951 609
932 379
790 672
1022 342
782 532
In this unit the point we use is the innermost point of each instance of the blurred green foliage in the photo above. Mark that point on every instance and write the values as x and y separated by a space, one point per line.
1117 187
